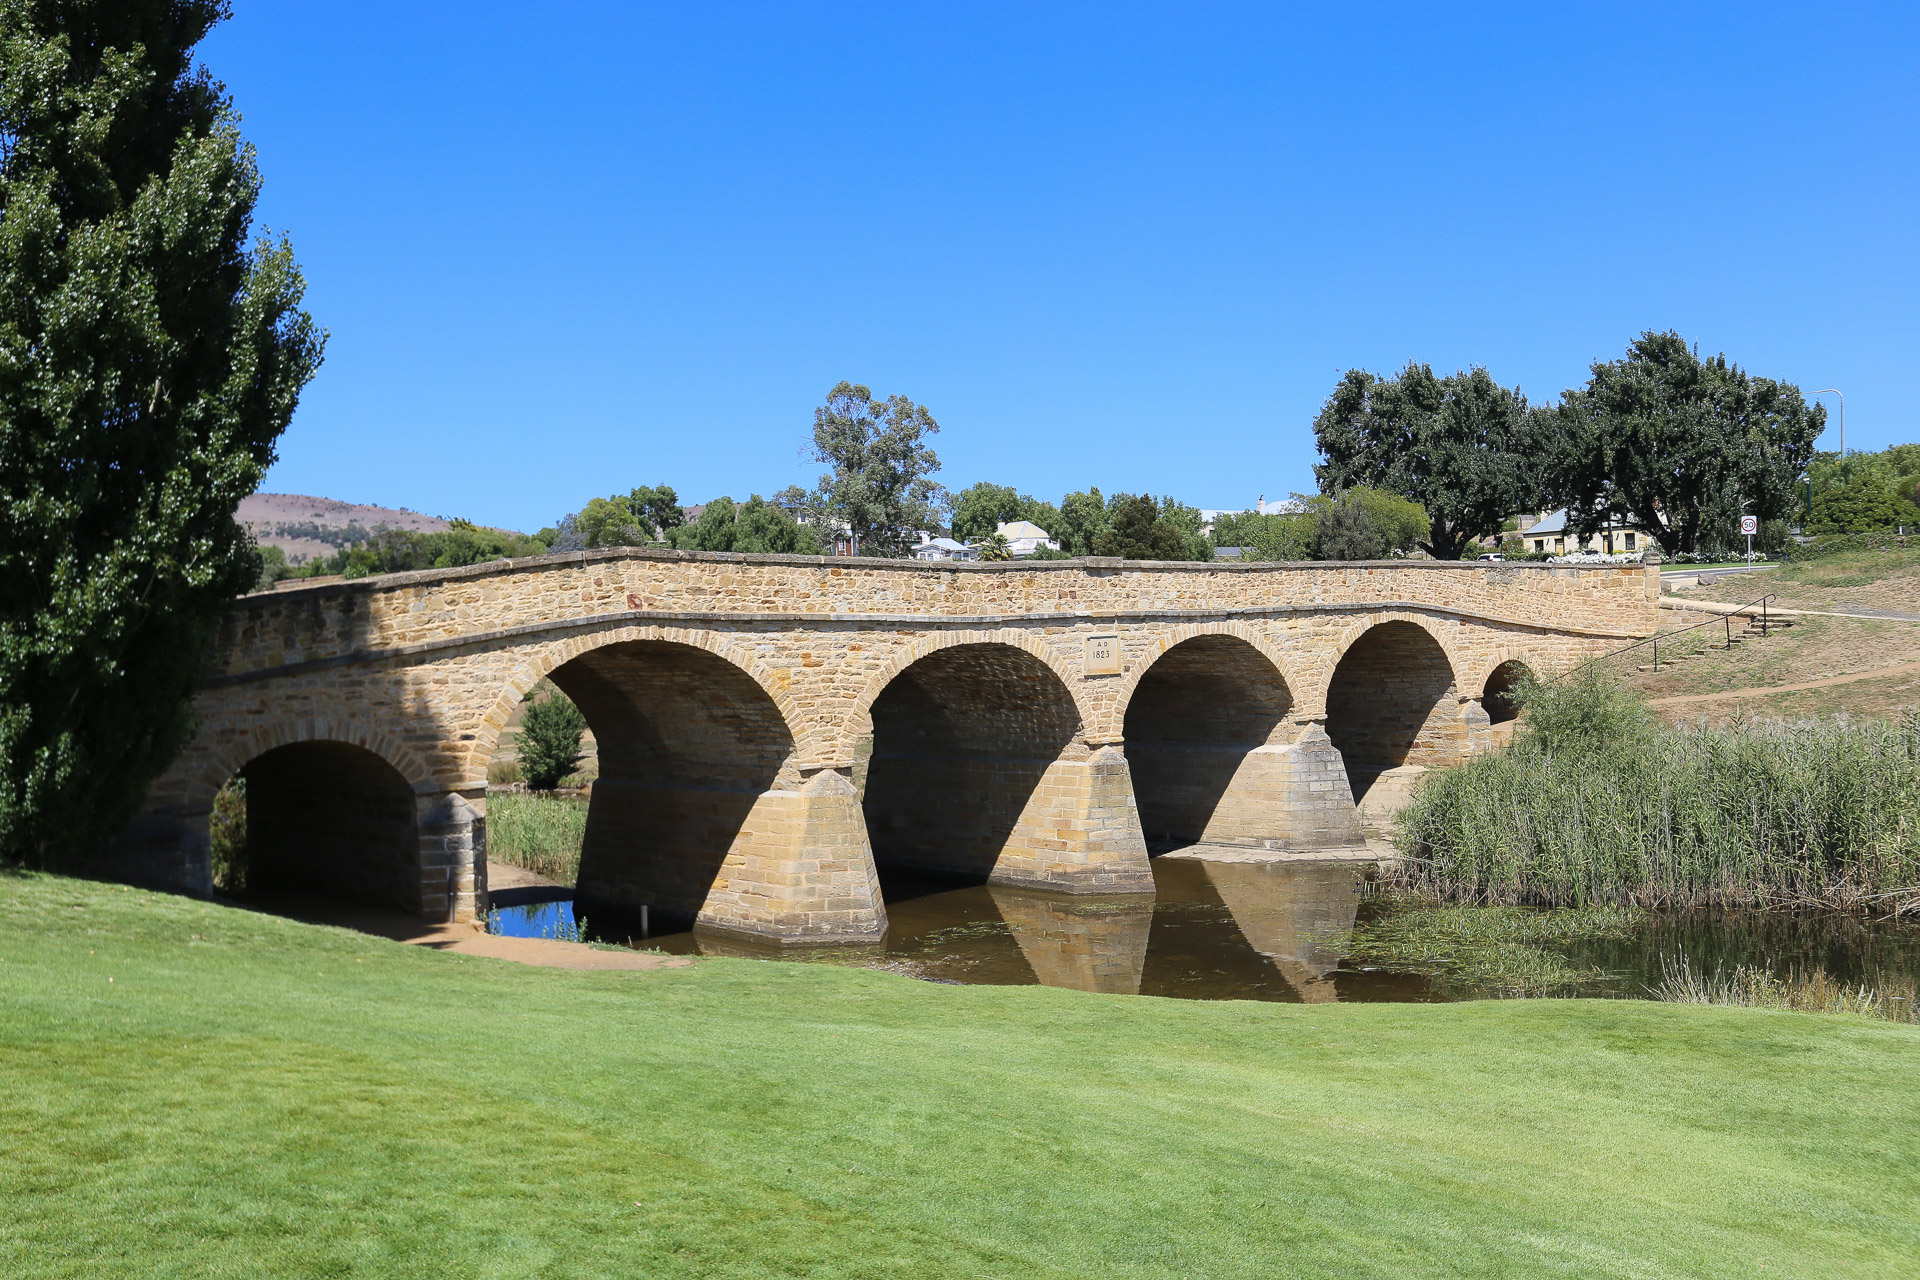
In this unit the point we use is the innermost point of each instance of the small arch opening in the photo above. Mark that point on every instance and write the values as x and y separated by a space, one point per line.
961 740
1390 704
1192 721
1500 698
326 820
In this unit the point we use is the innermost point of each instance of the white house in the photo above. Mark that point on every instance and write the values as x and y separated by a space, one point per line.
1024 537
1551 535
943 549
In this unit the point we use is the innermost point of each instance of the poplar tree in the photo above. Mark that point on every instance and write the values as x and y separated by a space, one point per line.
151 352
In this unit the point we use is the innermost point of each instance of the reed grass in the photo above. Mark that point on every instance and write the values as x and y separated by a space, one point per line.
1808 991
542 833
1597 803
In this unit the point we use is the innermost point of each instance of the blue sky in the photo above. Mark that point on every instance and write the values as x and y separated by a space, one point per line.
568 248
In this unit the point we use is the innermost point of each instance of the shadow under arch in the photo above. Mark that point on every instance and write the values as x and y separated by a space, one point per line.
961 740
1499 696
1390 705
1193 719
332 819
688 744
543 661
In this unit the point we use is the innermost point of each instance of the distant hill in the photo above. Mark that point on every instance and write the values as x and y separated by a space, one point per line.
305 527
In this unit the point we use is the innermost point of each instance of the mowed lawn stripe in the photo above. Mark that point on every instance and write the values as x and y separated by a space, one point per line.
278 1099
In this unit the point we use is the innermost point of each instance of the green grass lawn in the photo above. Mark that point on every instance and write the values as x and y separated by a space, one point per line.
188 1090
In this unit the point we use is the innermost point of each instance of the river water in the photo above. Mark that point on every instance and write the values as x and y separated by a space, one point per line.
1263 930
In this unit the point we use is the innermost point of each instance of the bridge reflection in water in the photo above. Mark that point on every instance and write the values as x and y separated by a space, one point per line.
1235 926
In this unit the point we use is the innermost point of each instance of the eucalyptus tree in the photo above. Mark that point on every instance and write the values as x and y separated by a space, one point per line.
881 487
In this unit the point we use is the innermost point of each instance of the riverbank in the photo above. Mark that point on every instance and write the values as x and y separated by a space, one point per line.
197 1090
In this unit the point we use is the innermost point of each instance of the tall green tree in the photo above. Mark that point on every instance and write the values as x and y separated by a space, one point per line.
981 508
1136 530
1459 446
1346 530
1276 535
151 352
647 514
1868 503
881 488
549 744
1083 518
1685 446
658 506
755 525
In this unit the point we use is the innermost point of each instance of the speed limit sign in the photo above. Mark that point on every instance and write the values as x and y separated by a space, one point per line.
1749 525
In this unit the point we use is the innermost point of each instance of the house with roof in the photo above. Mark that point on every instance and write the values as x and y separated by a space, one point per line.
1551 535
932 548
1024 537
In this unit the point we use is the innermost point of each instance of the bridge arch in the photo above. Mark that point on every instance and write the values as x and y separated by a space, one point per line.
1191 721
858 724
230 754
1259 640
976 768
1498 689
1392 703
540 663
332 818
695 756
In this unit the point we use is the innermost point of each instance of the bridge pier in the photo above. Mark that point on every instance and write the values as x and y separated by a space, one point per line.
1291 796
793 864
1079 832
452 828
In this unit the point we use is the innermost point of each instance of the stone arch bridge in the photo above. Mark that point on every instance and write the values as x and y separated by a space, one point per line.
773 729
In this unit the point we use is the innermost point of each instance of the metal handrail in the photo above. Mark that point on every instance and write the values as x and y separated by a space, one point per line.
1725 618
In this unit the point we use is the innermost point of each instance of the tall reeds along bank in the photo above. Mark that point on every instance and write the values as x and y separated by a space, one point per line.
1597 803
542 833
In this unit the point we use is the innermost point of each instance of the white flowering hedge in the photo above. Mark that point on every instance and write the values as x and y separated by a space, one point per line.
1598 557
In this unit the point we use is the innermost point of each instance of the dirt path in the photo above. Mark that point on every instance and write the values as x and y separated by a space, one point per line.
1762 691
468 940
462 939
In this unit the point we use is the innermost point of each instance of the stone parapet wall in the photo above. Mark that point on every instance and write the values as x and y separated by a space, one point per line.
278 628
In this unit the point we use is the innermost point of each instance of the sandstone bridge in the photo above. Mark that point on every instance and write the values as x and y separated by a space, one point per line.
773 730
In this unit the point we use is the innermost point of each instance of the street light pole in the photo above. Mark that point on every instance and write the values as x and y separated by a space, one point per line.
1835 391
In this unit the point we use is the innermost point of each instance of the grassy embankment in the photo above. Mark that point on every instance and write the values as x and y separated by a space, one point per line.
197 1091
1815 648
1596 803
1849 579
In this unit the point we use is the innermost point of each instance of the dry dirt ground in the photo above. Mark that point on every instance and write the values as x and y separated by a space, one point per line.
1814 648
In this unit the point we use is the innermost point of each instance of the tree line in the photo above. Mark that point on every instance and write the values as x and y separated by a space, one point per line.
1662 438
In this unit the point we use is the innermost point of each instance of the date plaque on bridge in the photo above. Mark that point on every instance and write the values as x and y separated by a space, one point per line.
1102 656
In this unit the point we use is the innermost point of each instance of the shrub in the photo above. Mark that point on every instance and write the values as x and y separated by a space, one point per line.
550 741
227 832
1347 532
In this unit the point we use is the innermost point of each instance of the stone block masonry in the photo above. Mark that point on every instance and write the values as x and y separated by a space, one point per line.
775 731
